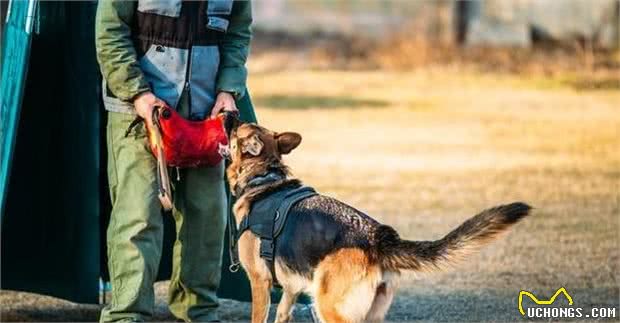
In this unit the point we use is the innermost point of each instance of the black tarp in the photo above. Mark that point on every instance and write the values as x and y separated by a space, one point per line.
50 230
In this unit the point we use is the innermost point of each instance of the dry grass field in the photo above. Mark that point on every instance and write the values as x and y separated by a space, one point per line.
423 151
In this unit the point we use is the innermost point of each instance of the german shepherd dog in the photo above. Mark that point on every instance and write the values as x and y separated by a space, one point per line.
345 260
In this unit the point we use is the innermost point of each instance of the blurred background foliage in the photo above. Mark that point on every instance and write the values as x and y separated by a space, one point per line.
521 36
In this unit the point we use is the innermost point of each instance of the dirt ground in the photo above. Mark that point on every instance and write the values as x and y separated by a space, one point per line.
423 151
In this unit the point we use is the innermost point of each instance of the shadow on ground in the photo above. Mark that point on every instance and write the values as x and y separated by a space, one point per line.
301 102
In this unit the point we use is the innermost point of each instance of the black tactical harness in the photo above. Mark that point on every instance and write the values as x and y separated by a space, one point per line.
267 218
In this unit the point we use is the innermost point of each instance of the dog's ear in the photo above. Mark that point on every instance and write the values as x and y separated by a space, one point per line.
252 145
287 141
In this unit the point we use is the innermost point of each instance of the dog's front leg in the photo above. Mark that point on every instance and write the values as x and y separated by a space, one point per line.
259 274
285 308
261 299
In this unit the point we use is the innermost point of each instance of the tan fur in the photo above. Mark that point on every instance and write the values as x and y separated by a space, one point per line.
253 145
258 273
383 297
345 283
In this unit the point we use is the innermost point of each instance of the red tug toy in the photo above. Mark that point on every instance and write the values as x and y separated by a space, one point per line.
189 143
181 143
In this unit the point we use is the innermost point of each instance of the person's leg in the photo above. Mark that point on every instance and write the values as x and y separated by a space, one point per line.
135 232
200 215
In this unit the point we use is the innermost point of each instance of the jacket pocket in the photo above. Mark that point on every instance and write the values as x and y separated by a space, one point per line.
170 8
164 68
204 68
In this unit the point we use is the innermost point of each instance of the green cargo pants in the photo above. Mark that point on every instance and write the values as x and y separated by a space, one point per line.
135 232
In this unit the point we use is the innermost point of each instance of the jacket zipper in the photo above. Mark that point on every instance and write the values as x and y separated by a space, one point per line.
188 71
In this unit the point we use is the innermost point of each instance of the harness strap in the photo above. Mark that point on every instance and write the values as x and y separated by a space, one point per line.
233 232
268 222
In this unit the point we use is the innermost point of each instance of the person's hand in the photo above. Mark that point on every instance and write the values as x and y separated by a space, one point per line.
224 102
145 103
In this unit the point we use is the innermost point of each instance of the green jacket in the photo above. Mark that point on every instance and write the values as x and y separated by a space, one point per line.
126 56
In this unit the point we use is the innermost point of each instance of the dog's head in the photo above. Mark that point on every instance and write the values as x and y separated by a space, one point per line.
249 141
254 148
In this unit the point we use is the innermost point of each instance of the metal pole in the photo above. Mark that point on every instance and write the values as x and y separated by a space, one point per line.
32 6
8 11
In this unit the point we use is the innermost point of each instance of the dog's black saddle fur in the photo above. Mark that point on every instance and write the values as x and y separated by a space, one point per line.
268 216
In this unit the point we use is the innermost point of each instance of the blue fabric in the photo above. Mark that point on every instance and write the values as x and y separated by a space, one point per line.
15 51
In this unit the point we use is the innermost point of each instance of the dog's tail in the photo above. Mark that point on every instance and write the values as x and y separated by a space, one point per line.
396 254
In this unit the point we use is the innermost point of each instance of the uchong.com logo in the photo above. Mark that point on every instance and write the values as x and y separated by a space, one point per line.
547 311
